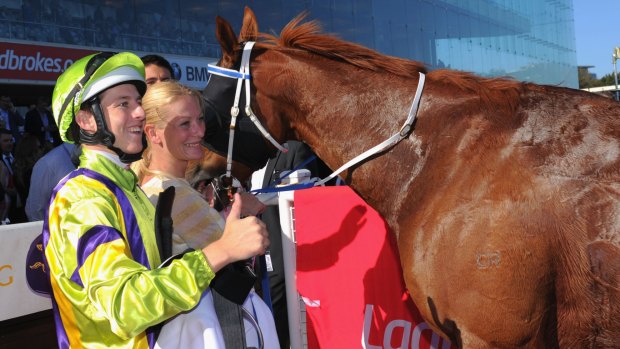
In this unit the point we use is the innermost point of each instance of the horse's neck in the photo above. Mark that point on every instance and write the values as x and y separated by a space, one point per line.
338 128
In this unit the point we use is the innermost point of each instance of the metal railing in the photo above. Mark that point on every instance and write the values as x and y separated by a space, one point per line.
615 57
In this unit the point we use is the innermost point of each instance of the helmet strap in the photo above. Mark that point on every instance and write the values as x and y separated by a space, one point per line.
103 136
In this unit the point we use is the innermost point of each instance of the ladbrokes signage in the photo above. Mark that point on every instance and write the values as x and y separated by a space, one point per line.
39 63
28 63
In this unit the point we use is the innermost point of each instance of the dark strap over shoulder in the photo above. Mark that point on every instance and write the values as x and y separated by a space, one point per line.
163 222
230 316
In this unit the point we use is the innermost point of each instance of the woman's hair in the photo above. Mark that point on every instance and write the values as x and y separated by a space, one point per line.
155 102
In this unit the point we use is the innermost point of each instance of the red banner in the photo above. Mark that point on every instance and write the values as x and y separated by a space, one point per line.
36 62
349 276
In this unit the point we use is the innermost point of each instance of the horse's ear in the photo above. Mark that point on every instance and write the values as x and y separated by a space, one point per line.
249 29
227 38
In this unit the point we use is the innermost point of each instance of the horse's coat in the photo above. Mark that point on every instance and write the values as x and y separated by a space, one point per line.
505 199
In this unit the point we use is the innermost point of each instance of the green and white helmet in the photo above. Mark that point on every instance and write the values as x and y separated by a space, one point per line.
85 79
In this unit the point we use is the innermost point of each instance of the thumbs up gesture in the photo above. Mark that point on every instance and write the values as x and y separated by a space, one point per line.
242 239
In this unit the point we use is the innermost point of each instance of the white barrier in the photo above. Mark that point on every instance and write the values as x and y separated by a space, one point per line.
287 224
16 298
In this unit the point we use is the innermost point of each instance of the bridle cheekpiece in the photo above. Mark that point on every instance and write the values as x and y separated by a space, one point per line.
242 75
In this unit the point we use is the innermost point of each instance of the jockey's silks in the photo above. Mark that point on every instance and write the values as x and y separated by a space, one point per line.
102 256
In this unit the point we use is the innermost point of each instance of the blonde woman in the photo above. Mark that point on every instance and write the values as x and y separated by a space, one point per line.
174 128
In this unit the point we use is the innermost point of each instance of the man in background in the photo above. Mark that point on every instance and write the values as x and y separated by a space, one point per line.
10 118
40 122
156 69
9 199
46 173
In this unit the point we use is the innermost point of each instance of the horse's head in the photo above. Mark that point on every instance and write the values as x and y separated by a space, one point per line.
249 147
300 83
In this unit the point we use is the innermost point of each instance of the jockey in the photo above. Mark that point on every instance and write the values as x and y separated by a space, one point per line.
99 239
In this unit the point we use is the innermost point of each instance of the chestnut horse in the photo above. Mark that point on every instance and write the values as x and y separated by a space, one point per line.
504 199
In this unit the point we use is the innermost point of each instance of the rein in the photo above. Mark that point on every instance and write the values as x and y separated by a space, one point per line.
244 75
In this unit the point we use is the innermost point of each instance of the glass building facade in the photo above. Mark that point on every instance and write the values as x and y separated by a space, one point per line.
530 40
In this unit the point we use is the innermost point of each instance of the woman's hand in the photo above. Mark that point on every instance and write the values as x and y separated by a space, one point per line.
250 205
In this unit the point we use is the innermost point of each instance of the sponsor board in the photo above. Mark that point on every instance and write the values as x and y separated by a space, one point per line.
23 63
16 297
190 71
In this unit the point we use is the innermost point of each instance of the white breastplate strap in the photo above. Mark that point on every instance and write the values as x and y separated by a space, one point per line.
395 138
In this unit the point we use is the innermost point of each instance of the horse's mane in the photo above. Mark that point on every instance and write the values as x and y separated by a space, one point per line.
493 92
308 36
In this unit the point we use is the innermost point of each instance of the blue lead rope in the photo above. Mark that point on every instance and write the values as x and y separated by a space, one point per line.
273 189
265 282
284 188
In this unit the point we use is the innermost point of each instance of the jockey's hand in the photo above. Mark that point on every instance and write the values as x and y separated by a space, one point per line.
243 238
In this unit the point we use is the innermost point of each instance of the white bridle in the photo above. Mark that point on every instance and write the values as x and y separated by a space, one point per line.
244 74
